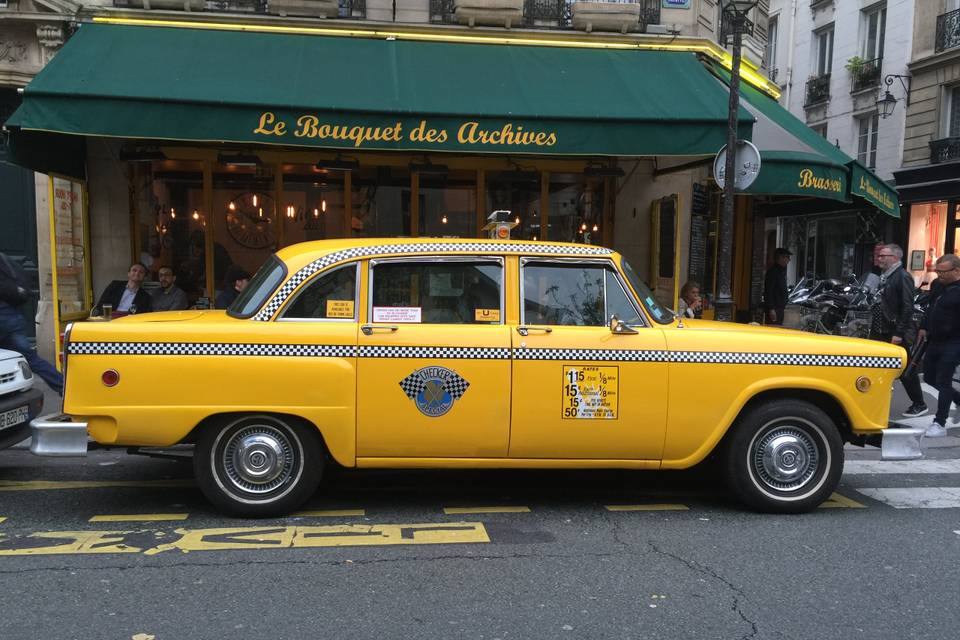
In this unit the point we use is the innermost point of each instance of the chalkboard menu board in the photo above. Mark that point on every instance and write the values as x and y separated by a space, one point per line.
699 228
668 238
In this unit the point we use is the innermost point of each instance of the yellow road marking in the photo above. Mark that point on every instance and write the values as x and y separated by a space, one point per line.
463 510
46 485
140 517
330 513
647 507
3 518
236 538
838 501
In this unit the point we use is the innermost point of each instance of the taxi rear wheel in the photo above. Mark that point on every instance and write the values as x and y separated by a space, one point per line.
783 457
258 465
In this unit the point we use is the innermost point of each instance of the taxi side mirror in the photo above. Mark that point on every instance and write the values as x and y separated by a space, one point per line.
619 327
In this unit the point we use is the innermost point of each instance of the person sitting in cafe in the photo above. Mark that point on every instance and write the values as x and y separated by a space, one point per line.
690 302
169 297
126 297
235 282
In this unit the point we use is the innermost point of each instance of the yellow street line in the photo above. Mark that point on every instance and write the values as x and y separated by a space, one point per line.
838 501
330 513
140 517
647 507
47 485
3 518
459 510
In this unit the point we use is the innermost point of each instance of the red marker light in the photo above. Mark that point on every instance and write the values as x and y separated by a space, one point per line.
110 377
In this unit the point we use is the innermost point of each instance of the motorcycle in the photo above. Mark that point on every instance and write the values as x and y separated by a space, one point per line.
834 307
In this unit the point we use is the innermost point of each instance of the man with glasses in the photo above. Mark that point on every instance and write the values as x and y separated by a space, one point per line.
941 326
893 318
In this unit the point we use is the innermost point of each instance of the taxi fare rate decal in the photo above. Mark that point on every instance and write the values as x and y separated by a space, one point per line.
590 393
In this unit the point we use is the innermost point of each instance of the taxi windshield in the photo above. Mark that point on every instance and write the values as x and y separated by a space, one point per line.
259 289
659 312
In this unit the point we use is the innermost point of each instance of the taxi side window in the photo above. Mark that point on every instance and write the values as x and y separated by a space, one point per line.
449 292
329 296
574 295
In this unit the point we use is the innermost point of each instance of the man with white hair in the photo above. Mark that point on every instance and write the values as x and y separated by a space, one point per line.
893 318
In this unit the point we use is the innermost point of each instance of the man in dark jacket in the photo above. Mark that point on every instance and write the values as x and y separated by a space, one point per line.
126 297
941 327
893 318
235 282
775 287
13 293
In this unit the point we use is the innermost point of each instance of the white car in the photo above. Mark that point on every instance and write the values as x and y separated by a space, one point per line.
20 402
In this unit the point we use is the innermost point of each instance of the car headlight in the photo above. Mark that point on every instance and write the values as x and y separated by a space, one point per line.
25 370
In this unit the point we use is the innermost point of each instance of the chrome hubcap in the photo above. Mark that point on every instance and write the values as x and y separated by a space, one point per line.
785 458
258 459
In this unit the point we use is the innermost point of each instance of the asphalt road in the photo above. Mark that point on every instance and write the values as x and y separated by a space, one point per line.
380 554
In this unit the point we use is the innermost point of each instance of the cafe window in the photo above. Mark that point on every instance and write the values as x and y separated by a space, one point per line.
380 202
518 192
71 262
329 296
450 292
172 223
448 204
582 295
576 212
312 207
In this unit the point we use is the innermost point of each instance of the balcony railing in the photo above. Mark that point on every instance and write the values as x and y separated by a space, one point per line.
944 150
441 11
558 14
948 31
346 8
352 8
865 75
818 89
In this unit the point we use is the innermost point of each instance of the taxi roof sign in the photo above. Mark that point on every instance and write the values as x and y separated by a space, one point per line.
499 224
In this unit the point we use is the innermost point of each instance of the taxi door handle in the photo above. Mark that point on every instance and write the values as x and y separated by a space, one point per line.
524 330
370 328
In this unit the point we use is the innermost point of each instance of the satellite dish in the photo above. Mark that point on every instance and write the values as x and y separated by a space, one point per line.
746 163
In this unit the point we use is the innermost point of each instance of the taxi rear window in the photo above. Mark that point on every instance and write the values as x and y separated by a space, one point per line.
259 289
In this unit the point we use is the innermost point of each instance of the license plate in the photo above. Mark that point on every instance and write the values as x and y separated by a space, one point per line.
14 417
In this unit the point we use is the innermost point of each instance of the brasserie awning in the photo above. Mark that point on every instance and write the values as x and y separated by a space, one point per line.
326 91
795 160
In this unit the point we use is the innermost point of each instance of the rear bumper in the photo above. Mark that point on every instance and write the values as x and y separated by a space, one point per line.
57 435
897 443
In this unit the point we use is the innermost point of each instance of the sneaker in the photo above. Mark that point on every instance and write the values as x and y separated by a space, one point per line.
915 411
935 430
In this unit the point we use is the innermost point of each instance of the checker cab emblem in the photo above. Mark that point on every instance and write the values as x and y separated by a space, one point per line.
434 389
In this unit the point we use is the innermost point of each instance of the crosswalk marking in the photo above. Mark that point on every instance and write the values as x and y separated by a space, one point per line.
140 517
464 510
916 497
647 507
856 467
3 518
329 513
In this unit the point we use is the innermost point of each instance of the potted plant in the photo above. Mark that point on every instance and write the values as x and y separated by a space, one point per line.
855 65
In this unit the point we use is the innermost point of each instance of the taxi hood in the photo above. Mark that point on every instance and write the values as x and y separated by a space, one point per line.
164 316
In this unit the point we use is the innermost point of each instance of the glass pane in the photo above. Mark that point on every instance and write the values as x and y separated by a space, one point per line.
660 313
245 219
576 208
519 193
172 224
617 301
448 204
68 222
381 202
563 295
871 35
437 293
953 128
331 295
312 207
261 287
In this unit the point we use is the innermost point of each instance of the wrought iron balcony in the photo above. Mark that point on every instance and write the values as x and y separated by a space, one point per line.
442 11
818 89
865 75
944 150
948 31
558 14
352 8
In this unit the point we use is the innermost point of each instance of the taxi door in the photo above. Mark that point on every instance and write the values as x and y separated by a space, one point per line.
580 390
434 365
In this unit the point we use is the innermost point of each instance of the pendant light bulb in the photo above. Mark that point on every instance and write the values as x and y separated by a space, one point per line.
323 206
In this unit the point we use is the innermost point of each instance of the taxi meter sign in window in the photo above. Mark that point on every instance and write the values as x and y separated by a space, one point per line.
590 393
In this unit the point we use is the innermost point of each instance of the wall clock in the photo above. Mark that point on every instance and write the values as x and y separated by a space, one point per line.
250 220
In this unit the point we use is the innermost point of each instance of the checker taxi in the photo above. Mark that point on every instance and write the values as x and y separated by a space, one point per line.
467 353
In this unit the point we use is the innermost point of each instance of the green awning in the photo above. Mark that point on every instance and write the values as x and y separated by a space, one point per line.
248 87
795 160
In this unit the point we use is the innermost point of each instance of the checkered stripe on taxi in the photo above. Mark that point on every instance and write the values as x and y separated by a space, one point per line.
210 349
422 247
413 384
455 353
605 355
790 359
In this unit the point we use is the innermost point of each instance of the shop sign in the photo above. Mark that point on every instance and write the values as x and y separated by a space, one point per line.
675 4
810 181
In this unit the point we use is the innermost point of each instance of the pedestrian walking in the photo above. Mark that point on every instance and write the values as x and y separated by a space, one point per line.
941 329
775 287
893 319
13 330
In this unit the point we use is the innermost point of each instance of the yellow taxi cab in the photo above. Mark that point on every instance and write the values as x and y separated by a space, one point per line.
454 353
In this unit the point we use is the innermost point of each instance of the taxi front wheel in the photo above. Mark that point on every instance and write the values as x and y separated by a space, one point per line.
783 457
258 465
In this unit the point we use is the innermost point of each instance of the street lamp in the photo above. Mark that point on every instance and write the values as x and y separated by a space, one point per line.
735 15
888 102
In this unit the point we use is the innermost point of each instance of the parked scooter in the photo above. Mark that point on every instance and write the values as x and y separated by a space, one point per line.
834 307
